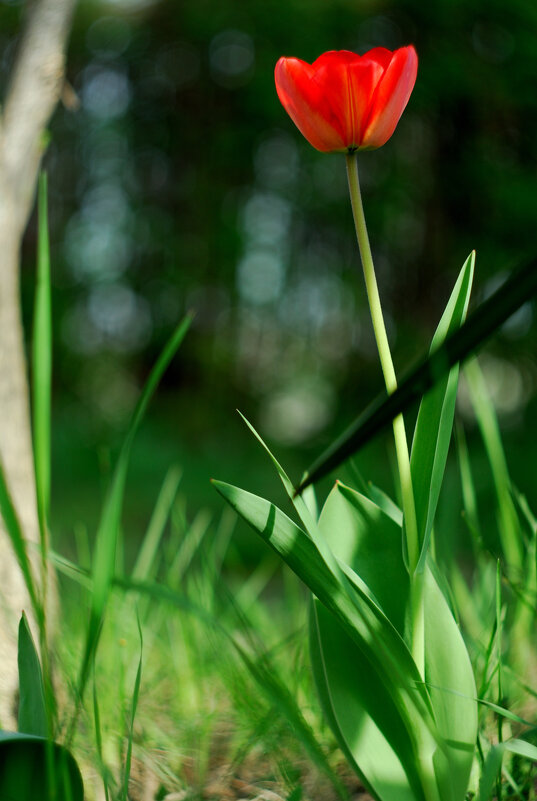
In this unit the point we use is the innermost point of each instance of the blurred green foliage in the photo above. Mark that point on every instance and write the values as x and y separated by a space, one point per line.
177 181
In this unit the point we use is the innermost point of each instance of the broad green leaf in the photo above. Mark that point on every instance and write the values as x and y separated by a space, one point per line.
35 768
303 511
361 535
32 706
450 679
366 721
363 620
435 417
516 291
363 716
302 508
385 503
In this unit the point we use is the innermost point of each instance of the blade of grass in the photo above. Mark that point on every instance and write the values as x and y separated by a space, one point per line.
266 674
146 556
493 763
99 739
109 526
499 651
134 705
187 547
71 570
509 525
42 371
41 406
468 490
516 291
261 667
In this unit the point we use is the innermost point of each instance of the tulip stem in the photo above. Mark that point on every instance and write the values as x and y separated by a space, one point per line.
399 433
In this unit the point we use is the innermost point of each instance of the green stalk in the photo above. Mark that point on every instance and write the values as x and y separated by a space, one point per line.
399 433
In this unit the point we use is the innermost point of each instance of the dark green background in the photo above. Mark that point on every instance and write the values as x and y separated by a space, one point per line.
179 182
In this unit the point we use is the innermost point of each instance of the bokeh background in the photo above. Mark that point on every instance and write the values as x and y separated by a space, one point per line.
177 182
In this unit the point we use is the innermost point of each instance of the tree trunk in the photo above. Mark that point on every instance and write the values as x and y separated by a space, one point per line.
17 461
32 95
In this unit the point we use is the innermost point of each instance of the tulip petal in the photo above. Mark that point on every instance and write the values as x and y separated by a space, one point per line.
306 104
347 82
390 98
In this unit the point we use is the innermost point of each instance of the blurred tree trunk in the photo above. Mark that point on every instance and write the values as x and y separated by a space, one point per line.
33 92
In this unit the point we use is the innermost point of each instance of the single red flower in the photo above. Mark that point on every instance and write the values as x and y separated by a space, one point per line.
346 102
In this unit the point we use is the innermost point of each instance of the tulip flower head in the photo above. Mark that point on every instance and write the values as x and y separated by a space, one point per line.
345 102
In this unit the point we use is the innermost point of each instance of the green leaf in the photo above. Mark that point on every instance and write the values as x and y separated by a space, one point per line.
109 526
362 713
354 607
145 561
33 768
134 705
107 534
32 706
42 369
361 535
266 675
435 417
384 502
516 291
494 760
508 525
450 679
469 496
262 668
363 716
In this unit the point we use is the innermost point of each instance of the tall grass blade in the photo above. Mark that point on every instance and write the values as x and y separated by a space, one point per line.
509 524
145 560
499 671
109 526
516 291
273 685
99 738
42 369
469 498
493 763
134 705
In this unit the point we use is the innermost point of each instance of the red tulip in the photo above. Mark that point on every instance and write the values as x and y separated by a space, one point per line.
347 102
